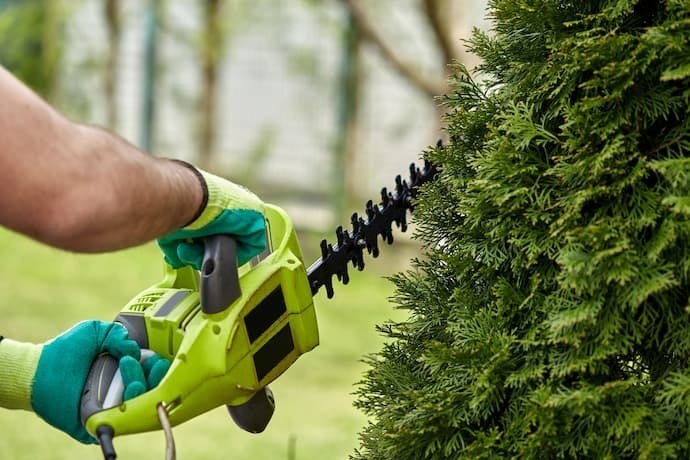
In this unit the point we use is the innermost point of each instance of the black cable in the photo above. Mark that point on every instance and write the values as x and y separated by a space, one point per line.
105 435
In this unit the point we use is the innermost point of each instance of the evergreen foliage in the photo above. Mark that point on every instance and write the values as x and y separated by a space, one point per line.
551 316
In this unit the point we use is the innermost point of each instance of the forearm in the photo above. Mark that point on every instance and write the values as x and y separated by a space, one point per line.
80 188
120 196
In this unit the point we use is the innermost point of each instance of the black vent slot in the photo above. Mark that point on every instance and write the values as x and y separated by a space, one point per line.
265 314
273 352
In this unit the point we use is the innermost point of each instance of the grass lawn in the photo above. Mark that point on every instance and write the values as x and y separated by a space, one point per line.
44 291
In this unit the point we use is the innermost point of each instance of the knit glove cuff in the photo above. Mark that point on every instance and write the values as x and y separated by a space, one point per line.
18 363
224 195
230 209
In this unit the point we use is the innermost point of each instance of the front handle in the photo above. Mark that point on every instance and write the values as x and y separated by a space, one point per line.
220 281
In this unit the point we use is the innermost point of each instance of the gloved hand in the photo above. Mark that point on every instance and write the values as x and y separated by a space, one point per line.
49 378
230 209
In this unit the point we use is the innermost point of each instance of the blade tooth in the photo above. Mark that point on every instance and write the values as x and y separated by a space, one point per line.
360 260
398 184
439 143
413 173
406 194
339 235
347 239
329 288
361 230
345 276
403 223
354 220
358 257
373 245
385 197
324 249
370 210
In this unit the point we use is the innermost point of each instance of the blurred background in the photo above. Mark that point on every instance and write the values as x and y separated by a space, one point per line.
313 104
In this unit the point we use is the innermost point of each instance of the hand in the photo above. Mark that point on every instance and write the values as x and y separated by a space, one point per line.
49 378
230 209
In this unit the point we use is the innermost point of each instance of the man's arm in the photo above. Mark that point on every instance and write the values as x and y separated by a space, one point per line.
80 188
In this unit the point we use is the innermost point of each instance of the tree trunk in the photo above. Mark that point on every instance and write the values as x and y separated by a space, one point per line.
112 20
210 58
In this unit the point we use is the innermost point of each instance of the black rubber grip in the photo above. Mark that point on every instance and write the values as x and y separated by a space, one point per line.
105 366
96 387
220 283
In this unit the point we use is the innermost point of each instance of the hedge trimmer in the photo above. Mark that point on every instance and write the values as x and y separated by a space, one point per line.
231 331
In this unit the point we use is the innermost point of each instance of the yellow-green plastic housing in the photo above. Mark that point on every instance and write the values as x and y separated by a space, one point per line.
226 357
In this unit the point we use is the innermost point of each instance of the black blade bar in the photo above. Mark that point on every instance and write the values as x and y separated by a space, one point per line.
349 246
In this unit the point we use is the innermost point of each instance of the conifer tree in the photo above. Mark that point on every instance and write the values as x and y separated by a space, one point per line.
550 317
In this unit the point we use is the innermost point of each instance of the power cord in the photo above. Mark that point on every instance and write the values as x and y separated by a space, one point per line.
167 429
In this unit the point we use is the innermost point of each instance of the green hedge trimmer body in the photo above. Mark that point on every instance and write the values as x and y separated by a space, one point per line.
231 331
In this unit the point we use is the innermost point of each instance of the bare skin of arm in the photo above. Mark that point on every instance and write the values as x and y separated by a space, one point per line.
80 188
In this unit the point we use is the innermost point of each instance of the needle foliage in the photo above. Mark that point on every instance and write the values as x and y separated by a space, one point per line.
550 318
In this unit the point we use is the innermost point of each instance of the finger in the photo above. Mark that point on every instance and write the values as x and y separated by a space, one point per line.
118 343
169 249
155 369
133 377
191 254
133 390
250 245
150 362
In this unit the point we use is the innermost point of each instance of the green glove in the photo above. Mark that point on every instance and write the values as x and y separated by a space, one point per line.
230 209
49 378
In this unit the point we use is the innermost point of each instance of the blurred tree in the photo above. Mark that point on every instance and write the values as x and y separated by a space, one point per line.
30 48
221 21
351 78
368 25
112 14
212 47
153 21
438 15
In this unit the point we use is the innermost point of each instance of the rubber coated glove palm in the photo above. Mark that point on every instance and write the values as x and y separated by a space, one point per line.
49 378
230 209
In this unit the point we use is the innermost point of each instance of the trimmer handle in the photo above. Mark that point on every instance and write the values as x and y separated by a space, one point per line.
219 288
220 281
